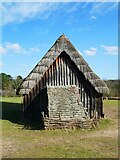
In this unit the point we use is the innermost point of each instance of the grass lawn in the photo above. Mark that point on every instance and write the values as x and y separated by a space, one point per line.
21 142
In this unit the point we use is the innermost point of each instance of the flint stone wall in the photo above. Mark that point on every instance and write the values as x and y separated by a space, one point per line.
64 103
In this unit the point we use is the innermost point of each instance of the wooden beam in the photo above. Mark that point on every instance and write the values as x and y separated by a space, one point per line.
61 72
62 66
66 70
57 74
53 73
24 102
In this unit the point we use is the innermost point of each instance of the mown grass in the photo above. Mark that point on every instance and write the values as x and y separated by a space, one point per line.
19 142
111 103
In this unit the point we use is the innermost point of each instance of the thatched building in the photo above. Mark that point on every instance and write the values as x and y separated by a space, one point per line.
62 88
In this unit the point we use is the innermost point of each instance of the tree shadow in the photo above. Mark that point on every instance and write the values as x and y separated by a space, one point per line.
14 113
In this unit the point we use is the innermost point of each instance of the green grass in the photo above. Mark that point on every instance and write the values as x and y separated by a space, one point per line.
111 103
11 99
19 142
104 123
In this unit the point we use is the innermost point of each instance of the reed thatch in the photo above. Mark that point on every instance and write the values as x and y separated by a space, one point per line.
61 44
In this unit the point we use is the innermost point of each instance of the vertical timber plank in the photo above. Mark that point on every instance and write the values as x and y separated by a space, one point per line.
59 70
66 70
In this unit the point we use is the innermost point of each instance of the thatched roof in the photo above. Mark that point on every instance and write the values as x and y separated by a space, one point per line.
61 44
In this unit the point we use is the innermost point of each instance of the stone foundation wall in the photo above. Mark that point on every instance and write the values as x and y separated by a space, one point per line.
72 124
64 103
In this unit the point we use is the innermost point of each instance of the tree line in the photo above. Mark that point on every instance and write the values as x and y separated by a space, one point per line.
113 86
9 85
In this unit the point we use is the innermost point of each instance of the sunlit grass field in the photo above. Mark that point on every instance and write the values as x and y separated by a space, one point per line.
21 142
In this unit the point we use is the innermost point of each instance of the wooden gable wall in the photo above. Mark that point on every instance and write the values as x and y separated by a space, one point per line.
64 72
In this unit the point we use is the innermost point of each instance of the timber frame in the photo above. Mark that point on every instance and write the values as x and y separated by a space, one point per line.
62 65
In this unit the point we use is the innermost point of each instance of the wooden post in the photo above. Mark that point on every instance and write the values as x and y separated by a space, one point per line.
101 108
87 102
63 74
51 75
24 102
70 75
91 102
42 82
48 76
54 73
84 98
57 74
66 70
98 105
61 70
58 71
45 79
81 91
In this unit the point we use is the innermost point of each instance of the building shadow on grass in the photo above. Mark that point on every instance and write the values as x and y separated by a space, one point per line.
14 113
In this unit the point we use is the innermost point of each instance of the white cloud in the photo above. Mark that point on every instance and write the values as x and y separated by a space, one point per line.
9 47
83 28
97 8
2 50
84 5
14 47
113 50
20 12
102 8
92 17
74 7
70 20
91 52
25 11
34 49
1 64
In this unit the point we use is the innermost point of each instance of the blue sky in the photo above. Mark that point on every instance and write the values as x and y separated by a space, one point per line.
30 29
